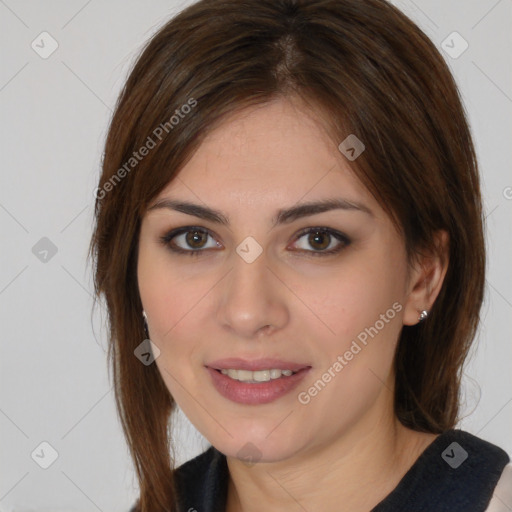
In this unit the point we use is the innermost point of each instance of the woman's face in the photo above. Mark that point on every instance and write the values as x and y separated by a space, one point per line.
248 283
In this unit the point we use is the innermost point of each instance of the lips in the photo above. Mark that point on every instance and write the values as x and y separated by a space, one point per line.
256 364
257 393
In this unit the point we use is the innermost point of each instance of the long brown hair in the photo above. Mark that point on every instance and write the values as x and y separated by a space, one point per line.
367 70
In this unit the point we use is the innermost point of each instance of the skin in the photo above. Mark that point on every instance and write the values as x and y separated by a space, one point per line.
289 304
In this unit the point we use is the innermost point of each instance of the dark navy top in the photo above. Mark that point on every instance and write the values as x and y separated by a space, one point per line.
457 472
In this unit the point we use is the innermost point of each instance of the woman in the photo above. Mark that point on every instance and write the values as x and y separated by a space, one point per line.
290 211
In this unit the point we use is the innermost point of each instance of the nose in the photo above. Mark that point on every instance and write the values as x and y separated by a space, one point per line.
253 299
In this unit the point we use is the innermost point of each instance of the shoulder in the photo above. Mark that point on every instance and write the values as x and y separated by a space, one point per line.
207 463
459 447
466 466
199 463
201 483
457 472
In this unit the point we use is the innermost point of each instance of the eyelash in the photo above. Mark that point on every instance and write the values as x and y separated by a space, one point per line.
345 241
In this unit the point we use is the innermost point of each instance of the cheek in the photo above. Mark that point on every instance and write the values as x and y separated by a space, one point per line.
157 287
171 288
356 353
351 301
361 305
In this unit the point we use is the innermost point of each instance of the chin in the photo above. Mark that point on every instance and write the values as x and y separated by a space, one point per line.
253 450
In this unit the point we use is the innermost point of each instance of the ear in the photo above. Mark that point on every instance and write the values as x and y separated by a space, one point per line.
426 278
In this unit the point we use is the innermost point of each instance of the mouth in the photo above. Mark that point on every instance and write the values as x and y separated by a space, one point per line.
257 381
257 376
261 369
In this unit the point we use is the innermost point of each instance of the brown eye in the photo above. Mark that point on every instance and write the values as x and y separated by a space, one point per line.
319 239
189 240
196 239
324 241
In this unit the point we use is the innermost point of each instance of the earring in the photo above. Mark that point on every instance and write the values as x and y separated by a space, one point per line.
145 323
423 315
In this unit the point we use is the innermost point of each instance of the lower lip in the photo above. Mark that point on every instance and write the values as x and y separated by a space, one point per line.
258 393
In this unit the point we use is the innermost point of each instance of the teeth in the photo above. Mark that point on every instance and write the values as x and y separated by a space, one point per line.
257 376
275 374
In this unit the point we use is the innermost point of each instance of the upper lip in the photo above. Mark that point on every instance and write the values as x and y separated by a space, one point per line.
255 364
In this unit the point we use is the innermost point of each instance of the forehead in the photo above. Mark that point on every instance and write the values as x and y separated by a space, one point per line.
275 153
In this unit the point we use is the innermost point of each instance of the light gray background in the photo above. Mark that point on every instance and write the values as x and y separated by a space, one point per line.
55 113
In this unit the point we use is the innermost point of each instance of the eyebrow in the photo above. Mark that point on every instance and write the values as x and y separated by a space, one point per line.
283 216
